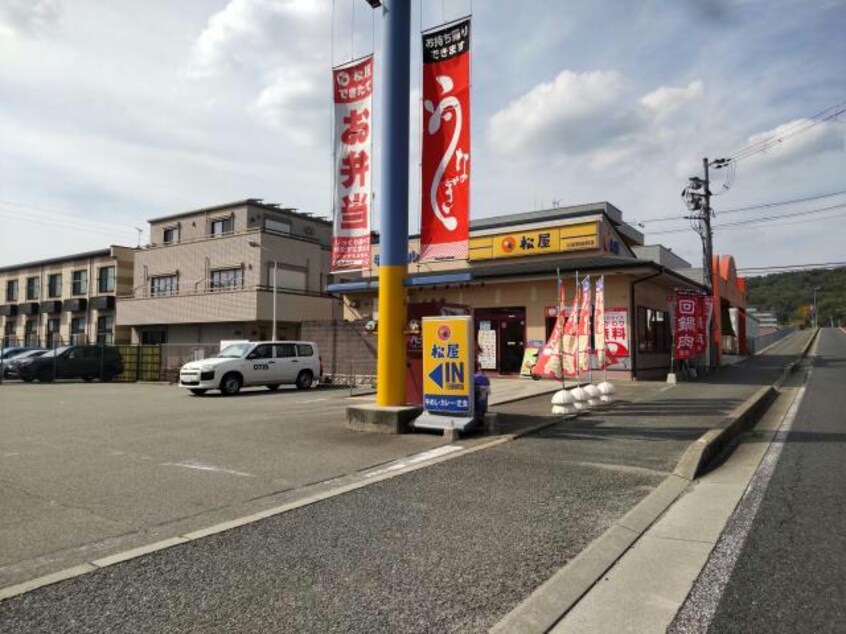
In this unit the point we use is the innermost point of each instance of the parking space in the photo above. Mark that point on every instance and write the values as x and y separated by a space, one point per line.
92 469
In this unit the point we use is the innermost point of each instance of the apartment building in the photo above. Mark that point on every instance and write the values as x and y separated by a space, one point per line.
208 275
66 300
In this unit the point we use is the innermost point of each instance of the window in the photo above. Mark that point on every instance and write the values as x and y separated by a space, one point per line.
263 351
227 279
153 337
54 285
32 287
653 330
106 280
304 350
77 331
288 278
170 235
12 291
79 284
277 226
285 350
31 333
222 226
9 338
164 285
53 337
105 330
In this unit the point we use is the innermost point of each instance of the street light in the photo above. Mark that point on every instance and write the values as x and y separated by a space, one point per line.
255 244
816 311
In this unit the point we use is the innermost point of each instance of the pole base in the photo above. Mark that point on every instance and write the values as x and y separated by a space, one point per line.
382 419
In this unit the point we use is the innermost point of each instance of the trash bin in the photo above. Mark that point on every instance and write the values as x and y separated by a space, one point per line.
482 391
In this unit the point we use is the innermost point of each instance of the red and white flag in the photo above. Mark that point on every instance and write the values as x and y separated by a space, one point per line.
686 315
549 363
571 338
585 327
445 222
599 323
352 90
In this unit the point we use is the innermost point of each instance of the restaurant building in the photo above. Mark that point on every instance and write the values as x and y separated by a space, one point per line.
509 284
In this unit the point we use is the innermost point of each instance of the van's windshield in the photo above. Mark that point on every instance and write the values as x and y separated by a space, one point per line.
235 351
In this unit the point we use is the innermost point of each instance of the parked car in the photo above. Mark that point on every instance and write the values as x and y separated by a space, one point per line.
8 353
268 363
73 362
11 365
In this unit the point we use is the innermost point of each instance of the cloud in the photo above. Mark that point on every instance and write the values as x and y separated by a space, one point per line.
253 31
573 114
797 140
293 103
28 17
588 114
666 99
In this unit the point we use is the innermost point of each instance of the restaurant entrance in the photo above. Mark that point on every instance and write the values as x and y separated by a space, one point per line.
501 338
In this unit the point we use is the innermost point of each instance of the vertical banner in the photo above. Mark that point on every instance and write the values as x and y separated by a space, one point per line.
686 313
585 327
599 323
445 188
549 362
616 334
352 88
570 341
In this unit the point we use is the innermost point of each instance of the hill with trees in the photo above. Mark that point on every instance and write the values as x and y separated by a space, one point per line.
790 295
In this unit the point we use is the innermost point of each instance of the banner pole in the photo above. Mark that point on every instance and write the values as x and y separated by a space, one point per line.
560 316
578 343
604 337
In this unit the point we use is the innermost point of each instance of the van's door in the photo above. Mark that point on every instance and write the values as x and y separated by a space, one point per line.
286 362
261 367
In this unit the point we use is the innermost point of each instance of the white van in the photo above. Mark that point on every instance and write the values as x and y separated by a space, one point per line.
269 363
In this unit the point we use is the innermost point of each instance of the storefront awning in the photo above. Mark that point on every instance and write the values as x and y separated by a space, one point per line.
412 281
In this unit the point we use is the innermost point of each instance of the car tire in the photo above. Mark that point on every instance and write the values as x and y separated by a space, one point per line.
45 375
273 387
304 380
107 378
230 384
88 379
197 391
28 379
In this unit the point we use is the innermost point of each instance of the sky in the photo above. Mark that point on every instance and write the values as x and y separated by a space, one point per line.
112 113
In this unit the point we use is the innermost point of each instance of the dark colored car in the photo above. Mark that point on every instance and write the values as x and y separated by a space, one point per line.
73 362
8 353
11 365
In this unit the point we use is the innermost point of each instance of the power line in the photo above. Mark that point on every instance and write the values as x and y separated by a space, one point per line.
61 214
799 127
65 224
751 207
764 219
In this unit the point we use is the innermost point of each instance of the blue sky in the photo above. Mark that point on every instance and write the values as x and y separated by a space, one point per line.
116 112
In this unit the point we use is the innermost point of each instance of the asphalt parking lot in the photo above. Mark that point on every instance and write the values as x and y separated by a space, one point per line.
88 470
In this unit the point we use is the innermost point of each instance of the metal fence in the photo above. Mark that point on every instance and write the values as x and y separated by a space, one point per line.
759 343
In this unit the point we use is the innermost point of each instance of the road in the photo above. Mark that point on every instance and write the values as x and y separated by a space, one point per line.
789 575
449 548
88 470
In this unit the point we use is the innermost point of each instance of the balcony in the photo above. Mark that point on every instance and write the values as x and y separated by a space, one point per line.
28 308
51 306
75 305
103 302
9 310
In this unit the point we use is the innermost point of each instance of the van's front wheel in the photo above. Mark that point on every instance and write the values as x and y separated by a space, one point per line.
231 383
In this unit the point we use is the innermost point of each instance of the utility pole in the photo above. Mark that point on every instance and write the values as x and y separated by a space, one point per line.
707 233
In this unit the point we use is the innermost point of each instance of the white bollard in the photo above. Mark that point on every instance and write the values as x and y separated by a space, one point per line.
606 391
593 395
562 400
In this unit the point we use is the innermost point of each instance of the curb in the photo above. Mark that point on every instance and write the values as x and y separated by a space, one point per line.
550 602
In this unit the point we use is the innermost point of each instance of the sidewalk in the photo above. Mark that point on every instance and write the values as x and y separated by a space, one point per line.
452 547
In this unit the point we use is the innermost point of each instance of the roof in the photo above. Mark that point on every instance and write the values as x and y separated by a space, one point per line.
100 253
588 264
252 202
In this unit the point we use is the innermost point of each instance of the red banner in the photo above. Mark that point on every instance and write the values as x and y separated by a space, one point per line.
687 316
445 222
585 327
570 341
353 90
549 363
599 323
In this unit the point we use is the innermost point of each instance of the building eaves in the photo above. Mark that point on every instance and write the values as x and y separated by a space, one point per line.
251 202
59 260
